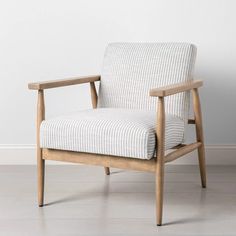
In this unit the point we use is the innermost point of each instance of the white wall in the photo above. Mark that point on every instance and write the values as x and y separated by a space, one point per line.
53 39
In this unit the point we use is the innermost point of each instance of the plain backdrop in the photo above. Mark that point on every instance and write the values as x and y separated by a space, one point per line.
55 39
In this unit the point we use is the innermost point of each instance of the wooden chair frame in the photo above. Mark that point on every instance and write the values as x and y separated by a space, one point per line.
155 165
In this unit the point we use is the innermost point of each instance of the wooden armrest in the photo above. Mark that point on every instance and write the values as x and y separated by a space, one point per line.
64 82
175 88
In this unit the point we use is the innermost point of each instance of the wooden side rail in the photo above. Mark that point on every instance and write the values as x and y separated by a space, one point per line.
115 161
101 160
182 151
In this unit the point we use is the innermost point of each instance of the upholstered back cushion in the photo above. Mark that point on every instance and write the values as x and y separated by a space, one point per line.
130 70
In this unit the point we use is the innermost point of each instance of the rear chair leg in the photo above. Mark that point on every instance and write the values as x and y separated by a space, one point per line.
107 170
199 134
202 166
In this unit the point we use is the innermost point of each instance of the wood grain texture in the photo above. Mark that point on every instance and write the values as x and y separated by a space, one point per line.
175 88
160 130
40 160
62 83
199 134
100 160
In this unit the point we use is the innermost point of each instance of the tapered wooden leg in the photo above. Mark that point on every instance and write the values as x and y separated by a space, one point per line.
160 160
40 161
107 170
199 134
202 165
40 169
159 192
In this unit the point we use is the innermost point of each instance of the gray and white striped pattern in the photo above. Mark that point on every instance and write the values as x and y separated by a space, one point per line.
118 132
124 123
130 70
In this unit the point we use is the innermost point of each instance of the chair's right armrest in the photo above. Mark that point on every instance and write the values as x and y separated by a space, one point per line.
175 88
64 82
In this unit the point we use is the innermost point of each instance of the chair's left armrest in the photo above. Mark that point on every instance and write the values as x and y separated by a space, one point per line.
175 88
64 82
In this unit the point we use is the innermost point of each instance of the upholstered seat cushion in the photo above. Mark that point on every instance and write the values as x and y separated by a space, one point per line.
110 131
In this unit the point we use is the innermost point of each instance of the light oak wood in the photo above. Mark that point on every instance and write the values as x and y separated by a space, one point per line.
199 134
182 151
100 160
160 130
40 160
94 98
175 88
62 83
107 170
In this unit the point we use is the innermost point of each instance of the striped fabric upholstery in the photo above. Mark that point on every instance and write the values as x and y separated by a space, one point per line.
124 123
130 70
119 132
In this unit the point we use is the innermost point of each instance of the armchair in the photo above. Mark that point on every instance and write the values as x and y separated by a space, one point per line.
123 131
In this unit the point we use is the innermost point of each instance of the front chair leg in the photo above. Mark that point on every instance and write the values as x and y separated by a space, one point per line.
40 160
159 192
41 170
160 130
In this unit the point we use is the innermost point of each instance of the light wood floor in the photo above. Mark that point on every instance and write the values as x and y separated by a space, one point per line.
81 200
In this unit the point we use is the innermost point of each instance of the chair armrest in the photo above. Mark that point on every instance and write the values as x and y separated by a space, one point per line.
64 82
175 88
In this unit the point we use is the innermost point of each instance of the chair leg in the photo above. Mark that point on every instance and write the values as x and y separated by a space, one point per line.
41 170
199 134
202 165
159 192
107 170
160 159
40 161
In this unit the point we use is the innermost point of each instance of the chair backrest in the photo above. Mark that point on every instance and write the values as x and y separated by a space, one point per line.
130 70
